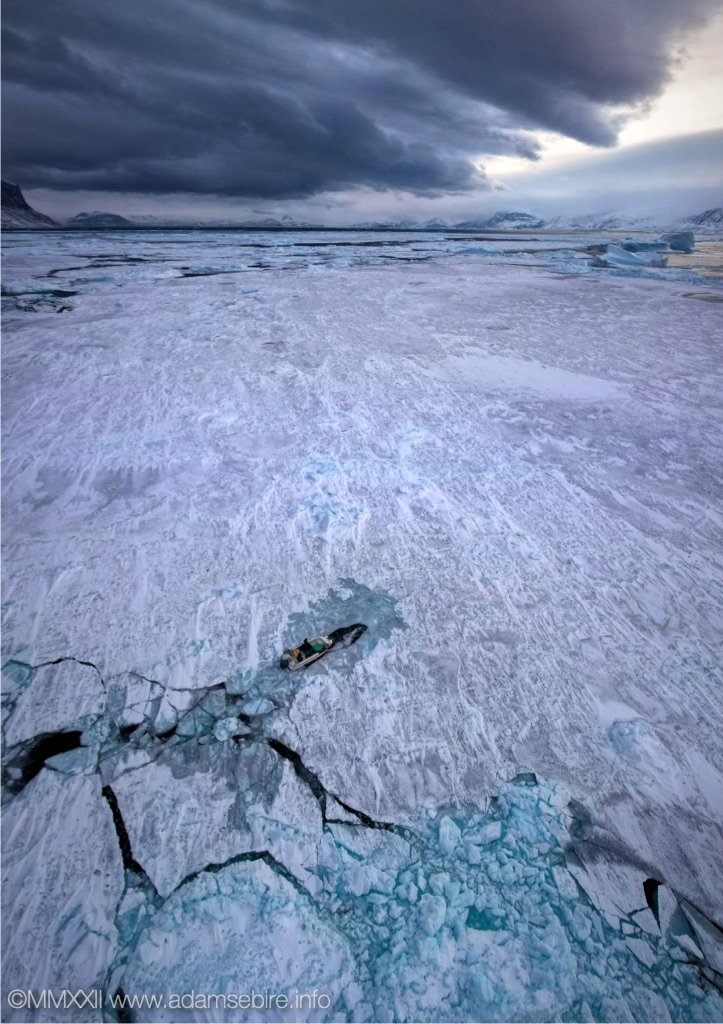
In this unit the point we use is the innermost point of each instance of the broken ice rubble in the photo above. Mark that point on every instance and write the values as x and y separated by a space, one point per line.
243 872
467 915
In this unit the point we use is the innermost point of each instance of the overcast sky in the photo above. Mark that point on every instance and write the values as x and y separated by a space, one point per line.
342 110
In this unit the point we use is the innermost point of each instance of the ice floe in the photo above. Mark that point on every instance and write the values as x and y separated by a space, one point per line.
62 881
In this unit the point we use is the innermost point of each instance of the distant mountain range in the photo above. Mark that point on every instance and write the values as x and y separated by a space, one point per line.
515 220
96 219
18 215
504 220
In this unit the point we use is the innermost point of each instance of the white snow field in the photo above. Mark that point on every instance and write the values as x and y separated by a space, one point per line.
505 801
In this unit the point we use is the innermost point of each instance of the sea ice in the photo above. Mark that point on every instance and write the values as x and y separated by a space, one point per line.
240 931
62 880
522 504
57 697
191 808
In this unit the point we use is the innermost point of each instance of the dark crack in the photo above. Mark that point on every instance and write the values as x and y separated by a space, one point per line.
305 774
122 1010
124 842
31 758
78 661
28 758
366 820
55 293
66 270
613 846
241 858
58 661
650 888
320 792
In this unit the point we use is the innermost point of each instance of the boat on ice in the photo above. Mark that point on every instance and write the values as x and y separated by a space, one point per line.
311 650
304 654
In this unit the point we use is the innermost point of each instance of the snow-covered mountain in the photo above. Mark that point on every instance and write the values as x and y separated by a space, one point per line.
285 223
500 221
271 223
385 225
474 224
708 220
98 219
611 220
607 221
17 213
505 219
436 224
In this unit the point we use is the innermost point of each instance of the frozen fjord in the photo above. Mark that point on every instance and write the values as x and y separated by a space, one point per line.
511 477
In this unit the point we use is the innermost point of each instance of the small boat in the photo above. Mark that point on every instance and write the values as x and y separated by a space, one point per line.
312 650
304 654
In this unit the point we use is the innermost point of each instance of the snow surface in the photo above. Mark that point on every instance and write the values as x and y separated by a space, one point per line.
503 802
58 697
62 880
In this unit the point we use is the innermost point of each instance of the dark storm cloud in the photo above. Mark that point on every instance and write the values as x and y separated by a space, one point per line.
280 98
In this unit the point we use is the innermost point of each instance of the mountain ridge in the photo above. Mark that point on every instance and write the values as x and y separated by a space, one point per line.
17 214
99 219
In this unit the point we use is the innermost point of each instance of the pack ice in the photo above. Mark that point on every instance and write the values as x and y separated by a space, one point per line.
504 802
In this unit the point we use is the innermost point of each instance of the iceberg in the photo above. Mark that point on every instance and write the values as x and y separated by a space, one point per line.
680 241
619 258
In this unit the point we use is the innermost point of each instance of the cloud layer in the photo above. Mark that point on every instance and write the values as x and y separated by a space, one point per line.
289 98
